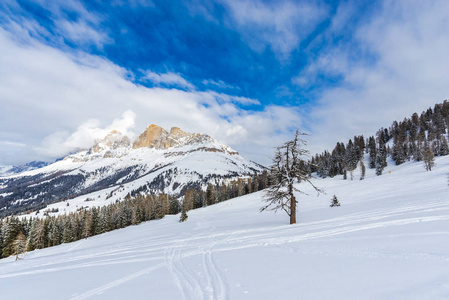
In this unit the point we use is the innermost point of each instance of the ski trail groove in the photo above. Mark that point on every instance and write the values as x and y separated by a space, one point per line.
115 283
186 283
216 280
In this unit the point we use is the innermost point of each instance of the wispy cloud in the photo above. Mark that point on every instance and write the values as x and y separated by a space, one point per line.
281 25
219 84
60 143
401 68
335 68
82 33
13 144
168 79
68 22
70 101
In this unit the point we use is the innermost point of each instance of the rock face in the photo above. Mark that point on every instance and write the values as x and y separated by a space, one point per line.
113 140
159 138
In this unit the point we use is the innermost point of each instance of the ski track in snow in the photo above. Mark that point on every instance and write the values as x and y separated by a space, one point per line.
191 284
186 283
116 283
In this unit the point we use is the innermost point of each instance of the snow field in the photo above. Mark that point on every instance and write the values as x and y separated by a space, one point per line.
389 239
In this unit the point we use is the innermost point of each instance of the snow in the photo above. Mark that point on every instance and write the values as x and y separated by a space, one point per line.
194 160
389 239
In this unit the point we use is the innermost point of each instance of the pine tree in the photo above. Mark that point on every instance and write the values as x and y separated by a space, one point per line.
263 180
175 206
11 229
381 160
187 204
444 147
210 195
1 238
256 180
184 216
87 224
334 201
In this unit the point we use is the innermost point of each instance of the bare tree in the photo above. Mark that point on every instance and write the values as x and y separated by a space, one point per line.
288 168
19 245
428 158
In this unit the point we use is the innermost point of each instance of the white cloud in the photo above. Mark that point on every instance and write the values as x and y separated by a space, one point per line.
82 33
83 29
169 78
61 143
56 103
282 25
333 62
403 69
219 84
13 144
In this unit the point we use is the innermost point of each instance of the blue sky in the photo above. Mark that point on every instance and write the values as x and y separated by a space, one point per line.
245 72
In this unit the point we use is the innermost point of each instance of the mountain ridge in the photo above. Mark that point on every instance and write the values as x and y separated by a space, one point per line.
162 162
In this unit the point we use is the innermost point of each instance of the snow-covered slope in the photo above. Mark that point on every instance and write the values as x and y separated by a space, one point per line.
159 161
389 239
12 170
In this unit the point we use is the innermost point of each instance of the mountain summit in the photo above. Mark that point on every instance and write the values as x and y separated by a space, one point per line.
157 137
112 141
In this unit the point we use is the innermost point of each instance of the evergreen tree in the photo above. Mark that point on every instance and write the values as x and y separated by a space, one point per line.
334 201
184 216
444 147
210 194
351 156
256 180
87 224
10 232
175 206
263 180
381 160
1 238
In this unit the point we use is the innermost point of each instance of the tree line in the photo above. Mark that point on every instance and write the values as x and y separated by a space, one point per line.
18 235
419 138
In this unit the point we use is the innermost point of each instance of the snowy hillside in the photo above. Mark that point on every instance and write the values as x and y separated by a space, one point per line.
158 162
12 170
389 239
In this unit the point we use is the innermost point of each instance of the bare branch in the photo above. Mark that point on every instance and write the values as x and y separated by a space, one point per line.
288 168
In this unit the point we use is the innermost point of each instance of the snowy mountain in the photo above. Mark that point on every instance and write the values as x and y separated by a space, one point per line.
157 162
12 170
387 240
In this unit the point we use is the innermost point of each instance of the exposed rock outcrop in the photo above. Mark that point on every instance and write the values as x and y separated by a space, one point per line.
113 140
159 138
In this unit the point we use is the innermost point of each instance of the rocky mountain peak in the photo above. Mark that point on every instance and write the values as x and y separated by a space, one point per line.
112 140
157 137
153 137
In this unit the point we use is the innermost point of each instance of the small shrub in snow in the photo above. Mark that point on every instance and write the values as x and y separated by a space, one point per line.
335 201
